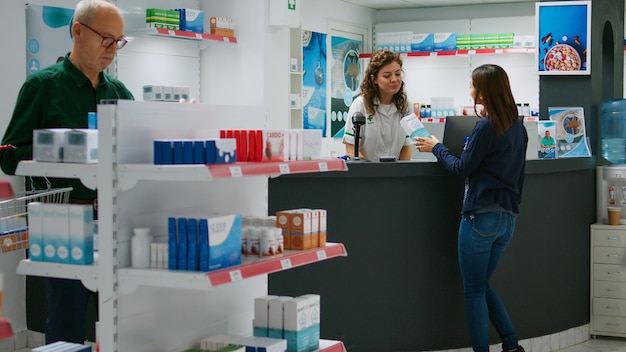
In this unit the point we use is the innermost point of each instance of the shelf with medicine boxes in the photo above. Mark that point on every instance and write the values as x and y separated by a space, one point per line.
463 52
131 278
131 173
205 39
134 193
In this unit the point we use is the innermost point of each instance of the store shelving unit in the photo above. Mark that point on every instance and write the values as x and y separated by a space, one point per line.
137 305
463 52
204 39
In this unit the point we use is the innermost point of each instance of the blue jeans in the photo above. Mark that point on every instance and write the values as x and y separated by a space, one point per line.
67 309
483 237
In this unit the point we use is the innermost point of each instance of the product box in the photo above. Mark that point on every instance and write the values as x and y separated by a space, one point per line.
314 319
296 323
191 20
276 317
444 41
55 237
161 18
505 40
315 228
477 41
422 42
81 146
48 144
179 93
414 127
300 229
80 233
225 151
35 231
163 151
224 241
283 221
260 322
168 93
152 93
322 215
463 41
181 244
311 144
273 145
222 26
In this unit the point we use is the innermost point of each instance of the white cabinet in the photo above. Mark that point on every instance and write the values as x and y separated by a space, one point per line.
156 309
608 280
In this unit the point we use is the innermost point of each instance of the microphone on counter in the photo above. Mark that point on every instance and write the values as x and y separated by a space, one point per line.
358 120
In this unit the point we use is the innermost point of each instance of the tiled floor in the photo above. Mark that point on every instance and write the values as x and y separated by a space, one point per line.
599 344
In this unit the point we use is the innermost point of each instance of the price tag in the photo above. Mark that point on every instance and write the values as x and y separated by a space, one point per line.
235 275
471 52
284 168
198 35
171 32
323 166
321 255
285 263
235 171
226 39
499 51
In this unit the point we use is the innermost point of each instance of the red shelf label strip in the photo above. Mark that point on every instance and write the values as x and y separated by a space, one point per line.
272 265
274 168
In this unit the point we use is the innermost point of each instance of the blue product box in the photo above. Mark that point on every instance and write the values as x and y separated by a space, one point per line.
192 244
172 244
187 152
35 229
182 243
444 41
167 152
210 151
224 241
177 152
198 152
422 42
225 151
203 240
191 20
157 152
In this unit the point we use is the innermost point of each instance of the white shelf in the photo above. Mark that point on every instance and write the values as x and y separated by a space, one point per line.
204 39
87 173
129 174
87 274
130 278
463 52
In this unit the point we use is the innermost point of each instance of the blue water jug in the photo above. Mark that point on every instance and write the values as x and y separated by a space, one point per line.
613 133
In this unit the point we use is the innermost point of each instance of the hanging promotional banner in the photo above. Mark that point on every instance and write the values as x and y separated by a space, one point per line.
47 36
346 81
563 37
314 80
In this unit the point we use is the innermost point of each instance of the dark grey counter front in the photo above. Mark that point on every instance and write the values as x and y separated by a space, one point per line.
399 288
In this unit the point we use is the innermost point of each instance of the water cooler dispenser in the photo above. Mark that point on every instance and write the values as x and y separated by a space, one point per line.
611 179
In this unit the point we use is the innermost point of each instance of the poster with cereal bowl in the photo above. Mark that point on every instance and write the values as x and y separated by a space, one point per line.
563 37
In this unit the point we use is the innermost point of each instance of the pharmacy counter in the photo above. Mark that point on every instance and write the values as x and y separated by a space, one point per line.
400 289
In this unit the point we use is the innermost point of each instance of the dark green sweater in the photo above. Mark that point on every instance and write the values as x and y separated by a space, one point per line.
57 96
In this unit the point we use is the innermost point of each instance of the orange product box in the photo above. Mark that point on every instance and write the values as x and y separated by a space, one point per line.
222 31
300 229
322 227
283 222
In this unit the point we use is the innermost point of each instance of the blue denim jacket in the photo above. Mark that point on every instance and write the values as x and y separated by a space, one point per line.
492 165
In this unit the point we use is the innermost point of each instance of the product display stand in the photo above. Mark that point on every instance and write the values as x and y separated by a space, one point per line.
158 309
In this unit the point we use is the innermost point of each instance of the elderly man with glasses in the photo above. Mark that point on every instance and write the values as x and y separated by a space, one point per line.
62 95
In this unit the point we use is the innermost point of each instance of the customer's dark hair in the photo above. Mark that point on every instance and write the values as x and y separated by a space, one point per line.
369 90
491 84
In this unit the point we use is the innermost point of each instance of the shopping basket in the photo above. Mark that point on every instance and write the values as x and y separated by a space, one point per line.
14 219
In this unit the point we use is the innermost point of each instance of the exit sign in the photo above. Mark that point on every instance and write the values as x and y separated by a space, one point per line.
291 5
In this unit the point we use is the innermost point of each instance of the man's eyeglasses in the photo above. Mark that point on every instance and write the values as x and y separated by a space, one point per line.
108 41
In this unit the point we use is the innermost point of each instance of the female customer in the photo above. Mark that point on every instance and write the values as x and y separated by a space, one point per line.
383 103
492 165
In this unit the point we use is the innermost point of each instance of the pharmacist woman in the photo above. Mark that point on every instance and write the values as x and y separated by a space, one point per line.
493 168
383 102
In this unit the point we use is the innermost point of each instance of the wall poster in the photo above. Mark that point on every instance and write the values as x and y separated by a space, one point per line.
47 35
346 80
314 80
563 37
